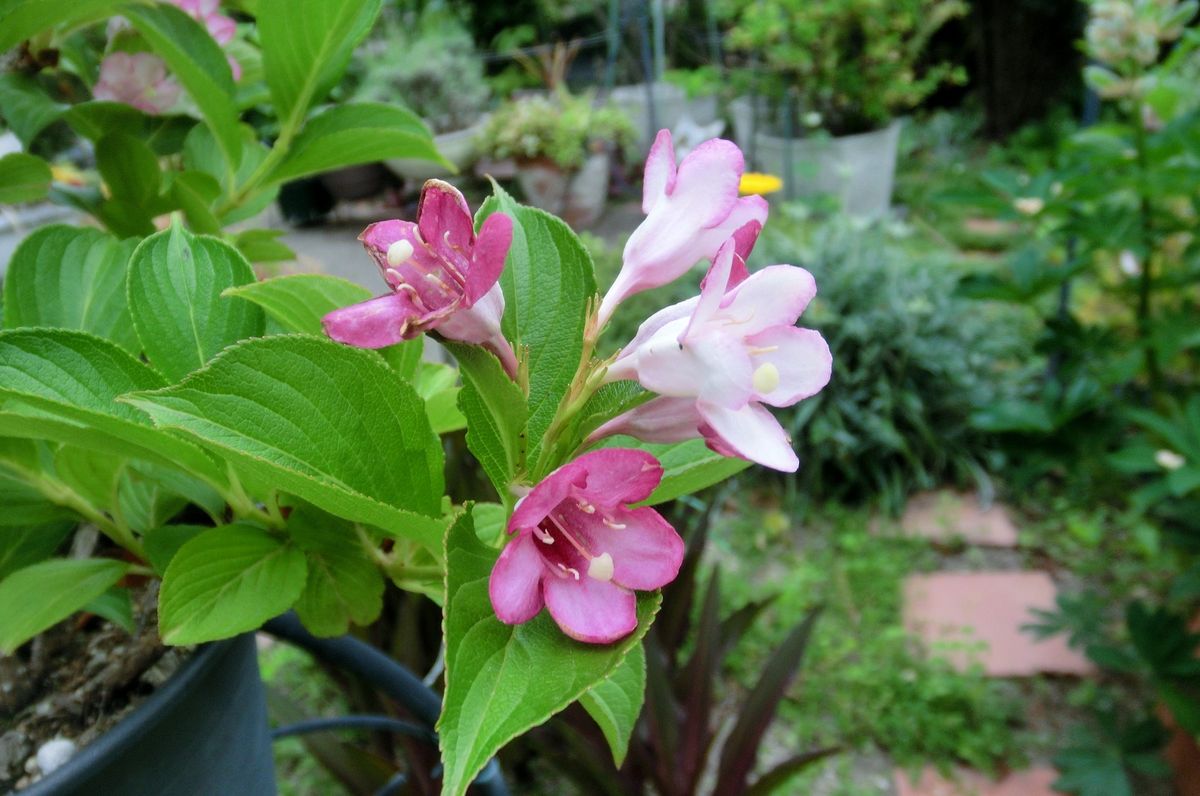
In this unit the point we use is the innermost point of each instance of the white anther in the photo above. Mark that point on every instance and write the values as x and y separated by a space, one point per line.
570 571
601 568
619 526
543 536
586 508
758 351
766 378
399 252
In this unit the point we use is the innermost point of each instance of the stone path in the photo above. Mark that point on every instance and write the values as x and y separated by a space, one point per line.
975 618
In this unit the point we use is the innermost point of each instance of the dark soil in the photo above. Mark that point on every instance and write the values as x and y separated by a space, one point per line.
75 682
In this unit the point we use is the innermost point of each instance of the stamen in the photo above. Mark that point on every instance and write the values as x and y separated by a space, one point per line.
617 526
585 507
766 378
601 568
437 281
394 274
567 535
757 351
399 252
543 536
569 571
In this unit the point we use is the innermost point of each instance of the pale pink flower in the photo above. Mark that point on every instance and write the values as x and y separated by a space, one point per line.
717 358
220 27
137 79
441 274
690 211
582 552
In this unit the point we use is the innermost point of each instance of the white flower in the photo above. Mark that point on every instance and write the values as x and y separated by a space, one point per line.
1169 460
1029 205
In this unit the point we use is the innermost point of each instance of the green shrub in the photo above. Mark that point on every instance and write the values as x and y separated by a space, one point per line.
560 127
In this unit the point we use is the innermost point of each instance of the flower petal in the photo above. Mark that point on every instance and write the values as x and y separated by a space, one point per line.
800 358
751 433
744 223
774 296
706 185
515 583
590 610
374 323
661 419
659 179
487 259
712 289
552 490
619 475
625 365
646 552
444 218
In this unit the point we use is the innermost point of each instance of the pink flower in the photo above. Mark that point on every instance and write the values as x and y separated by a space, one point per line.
717 358
137 79
690 211
581 551
442 277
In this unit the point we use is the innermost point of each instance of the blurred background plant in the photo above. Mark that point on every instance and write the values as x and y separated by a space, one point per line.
561 127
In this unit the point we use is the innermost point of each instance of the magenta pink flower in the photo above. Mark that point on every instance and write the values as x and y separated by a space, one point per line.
717 358
137 79
581 551
442 277
690 211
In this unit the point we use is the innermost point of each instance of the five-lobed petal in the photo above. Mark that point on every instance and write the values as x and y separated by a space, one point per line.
581 551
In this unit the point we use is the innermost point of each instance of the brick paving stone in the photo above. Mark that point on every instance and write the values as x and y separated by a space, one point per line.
945 515
986 611
1032 782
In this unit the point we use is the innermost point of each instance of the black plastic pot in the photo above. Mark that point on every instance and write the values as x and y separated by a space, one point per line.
204 733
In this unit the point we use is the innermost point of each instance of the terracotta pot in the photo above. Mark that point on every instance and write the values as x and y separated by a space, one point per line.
579 197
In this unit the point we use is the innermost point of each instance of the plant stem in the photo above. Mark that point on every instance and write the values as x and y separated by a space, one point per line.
1146 283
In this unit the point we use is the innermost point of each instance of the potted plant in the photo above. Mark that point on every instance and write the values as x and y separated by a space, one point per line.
827 81
563 147
431 63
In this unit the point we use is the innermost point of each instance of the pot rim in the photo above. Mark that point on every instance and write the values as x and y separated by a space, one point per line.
131 729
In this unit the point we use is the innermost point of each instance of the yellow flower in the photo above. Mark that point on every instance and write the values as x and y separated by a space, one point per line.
761 184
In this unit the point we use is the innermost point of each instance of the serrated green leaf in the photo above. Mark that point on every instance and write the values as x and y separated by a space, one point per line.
616 702
226 581
299 301
161 544
62 385
23 178
502 680
22 545
25 18
305 54
329 423
26 107
347 135
495 411
344 584
71 278
115 606
49 592
198 62
175 285
548 283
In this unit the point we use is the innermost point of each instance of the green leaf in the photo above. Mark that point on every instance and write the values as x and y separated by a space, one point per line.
263 245
226 581
49 592
548 282
299 301
71 278
115 606
129 168
326 422
405 358
344 584
444 414
22 545
616 702
502 680
195 193
495 411
175 284
24 506
305 54
346 135
62 385
688 466
25 106
161 544
23 178
198 62
24 18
